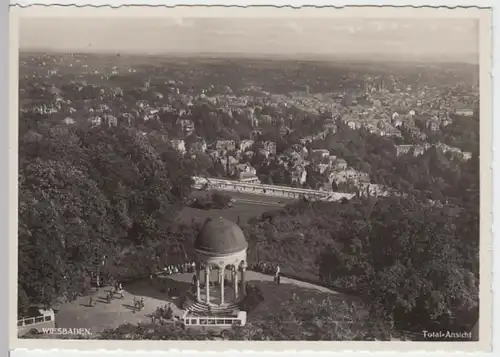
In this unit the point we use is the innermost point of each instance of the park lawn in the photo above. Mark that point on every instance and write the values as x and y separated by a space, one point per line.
244 211
246 206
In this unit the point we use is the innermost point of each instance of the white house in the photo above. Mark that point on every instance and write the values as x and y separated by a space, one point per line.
179 145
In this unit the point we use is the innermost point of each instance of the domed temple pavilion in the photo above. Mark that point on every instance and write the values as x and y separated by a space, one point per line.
220 247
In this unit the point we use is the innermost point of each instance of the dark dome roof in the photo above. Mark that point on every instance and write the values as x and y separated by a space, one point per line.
219 235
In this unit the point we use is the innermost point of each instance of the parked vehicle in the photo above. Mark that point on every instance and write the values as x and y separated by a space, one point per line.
218 325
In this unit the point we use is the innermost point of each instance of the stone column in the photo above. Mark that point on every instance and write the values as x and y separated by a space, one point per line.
235 284
221 278
207 283
200 272
198 294
243 286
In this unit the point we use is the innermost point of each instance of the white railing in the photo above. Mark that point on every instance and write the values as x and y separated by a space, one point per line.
47 316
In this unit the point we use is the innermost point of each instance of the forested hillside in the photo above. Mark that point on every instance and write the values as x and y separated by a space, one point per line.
85 194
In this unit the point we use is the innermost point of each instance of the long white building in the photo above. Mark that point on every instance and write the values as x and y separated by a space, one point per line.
267 190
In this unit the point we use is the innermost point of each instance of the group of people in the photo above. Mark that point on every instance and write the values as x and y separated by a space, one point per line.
162 313
269 269
117 288
139 304
180 268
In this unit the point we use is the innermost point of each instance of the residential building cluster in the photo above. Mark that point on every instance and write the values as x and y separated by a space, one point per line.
383 106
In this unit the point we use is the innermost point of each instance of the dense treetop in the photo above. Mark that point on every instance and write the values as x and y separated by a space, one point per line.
84 194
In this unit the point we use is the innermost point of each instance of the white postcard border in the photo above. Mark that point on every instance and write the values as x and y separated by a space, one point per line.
238 347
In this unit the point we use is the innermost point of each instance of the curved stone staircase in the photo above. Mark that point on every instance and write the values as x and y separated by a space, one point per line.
202 308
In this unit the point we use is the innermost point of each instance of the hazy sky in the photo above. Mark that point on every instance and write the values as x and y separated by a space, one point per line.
453 39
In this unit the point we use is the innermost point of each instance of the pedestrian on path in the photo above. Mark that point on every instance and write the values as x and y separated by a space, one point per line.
120 290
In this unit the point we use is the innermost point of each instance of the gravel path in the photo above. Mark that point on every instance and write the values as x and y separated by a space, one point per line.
120 311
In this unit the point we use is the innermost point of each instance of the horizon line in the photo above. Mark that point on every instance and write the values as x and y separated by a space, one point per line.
373 57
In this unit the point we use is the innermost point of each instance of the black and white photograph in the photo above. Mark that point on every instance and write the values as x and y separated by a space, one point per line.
253 175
